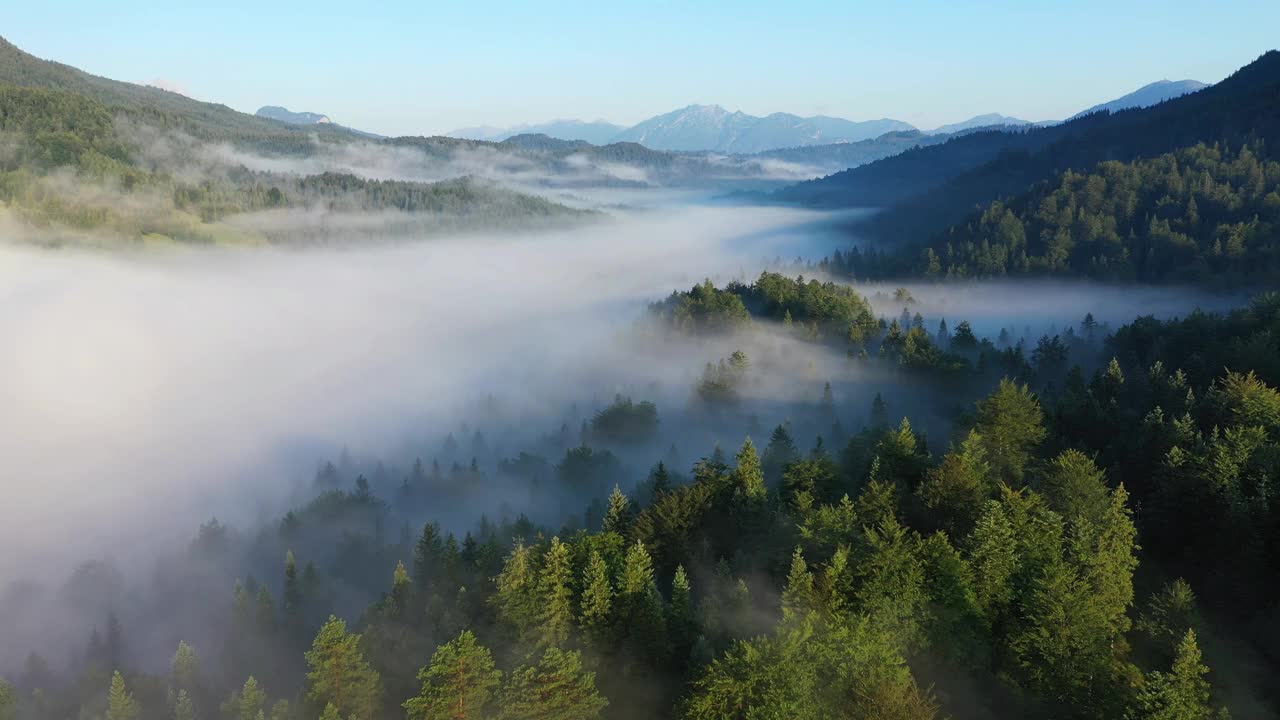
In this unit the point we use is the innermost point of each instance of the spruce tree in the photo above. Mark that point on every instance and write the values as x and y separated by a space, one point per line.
120 702
617 518
993 554
797 597
1011 424
555 596
661 481
185 668
1180 694
681 622
248 702
556 688
748 476
427 555
597 598
644 619
398 599
516 597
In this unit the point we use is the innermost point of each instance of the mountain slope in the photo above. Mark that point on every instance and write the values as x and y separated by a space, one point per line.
1147 95
979 121
928 188
208 121
711 127
75 174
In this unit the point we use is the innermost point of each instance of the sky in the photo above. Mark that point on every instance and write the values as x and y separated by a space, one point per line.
409 67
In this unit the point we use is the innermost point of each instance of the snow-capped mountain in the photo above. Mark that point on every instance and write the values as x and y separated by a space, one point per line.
1148 95
711 127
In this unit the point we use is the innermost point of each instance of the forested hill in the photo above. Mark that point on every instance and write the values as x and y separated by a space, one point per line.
91 160
208 121
927 189
1208 214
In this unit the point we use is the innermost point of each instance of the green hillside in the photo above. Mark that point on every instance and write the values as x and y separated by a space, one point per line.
73 171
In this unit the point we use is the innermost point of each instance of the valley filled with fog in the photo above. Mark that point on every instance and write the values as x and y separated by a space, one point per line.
210 384
716 416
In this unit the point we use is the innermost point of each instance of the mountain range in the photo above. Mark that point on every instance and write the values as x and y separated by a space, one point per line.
712 128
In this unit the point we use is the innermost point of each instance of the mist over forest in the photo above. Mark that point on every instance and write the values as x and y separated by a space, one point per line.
301 422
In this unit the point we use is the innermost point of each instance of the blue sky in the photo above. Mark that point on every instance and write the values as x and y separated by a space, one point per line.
422 67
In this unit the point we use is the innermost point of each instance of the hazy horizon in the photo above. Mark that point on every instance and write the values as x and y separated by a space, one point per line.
394 74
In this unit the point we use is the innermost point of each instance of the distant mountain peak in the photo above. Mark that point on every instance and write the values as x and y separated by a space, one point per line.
1147 95
276 112
712 127
596 132
980 121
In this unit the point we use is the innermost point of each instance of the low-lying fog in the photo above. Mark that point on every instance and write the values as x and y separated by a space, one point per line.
143 393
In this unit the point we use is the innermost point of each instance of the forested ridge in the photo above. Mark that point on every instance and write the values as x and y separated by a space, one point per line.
72 173
1093 539
1204 214
1090 197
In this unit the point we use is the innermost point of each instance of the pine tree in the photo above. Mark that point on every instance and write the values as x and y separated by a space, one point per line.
617 518
340 674
557 688
555 596
597 598
748 476
120 702
458 683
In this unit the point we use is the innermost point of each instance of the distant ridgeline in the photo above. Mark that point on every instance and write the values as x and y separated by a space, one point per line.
76 167
1181 191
